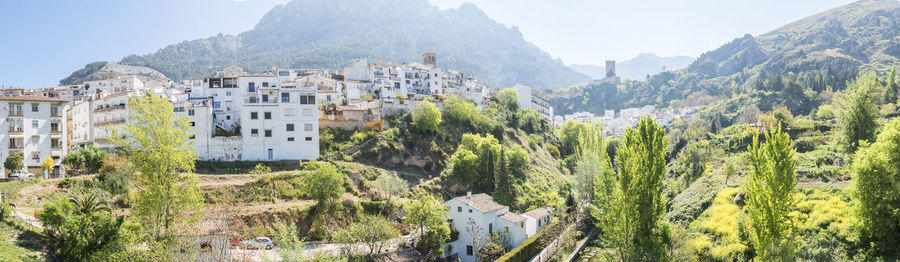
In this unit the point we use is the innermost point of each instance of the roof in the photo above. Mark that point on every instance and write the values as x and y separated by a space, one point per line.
538 213
481 202
31 98
512 217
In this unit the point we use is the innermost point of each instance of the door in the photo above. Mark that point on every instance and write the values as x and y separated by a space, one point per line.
271 154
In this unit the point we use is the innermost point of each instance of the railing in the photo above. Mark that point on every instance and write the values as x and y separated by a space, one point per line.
55 113
109 121
17 129
15 112
55 130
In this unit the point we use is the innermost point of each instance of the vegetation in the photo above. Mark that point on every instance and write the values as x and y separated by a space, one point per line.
769 204
858 112
87 160
158 144
14 162
628 206
876 179
426 116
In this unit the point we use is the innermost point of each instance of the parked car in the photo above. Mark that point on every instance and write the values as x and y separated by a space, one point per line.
19 174
259 242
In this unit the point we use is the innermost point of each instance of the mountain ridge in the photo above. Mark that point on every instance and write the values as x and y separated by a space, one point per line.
638 67
330 34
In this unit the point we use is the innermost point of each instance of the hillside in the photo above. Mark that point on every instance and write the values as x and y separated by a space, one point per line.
329 34
783 67
637 68
104 70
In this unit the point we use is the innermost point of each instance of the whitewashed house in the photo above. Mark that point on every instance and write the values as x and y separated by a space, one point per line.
531 98
476 217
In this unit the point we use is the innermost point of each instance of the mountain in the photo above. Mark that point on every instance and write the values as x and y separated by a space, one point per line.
106 70
637 68
331 33
787 66
837 42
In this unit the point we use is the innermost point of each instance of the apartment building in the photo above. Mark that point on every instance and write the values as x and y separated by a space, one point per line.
34 127
258 117
531 98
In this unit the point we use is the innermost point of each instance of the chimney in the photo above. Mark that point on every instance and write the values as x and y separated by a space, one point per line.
468 197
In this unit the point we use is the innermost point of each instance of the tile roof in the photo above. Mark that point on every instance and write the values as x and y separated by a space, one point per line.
512 217
31 98
481 202
538 213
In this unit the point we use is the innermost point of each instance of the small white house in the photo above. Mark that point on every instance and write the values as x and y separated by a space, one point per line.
475 217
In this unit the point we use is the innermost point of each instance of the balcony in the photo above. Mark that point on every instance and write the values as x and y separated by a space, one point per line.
15 112
104 108
256 101
15 130
55 131
110 122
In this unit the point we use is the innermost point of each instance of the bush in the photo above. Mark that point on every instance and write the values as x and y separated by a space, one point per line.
426 117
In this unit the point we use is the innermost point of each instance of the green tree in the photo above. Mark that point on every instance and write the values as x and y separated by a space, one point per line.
77 228
459 110
264 174
325 184
504 190
890 88
388 184
858 112
158 143
426 117
372 231
507 100
628 205
14 162
876 179
769 205
591 159
87 160
426 214
475 160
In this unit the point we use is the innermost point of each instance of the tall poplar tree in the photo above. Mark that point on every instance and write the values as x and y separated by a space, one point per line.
158 142
769 186
628 204
859 114
876 191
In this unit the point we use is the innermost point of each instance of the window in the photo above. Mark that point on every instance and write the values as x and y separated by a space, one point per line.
254 132
34 107
268 132
193 124
35 156
265 98
505 229
290 112
217 104
252 87
289 127
228 117
308 100
285 97
267 115
459 209
34 124
307 112
228 93
490 228
308 127
470 210
522 224
469 250
191 112
254 115
291 139
265 84
309 138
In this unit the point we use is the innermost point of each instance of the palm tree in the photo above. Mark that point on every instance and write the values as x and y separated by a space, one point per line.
87 203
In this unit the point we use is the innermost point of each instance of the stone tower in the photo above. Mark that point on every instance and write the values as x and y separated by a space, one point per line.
610 68
430 58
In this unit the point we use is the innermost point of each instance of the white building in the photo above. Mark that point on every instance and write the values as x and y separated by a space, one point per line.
477 216
35 127
531 98
241 116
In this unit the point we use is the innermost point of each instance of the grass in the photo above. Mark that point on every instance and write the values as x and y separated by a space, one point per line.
17 245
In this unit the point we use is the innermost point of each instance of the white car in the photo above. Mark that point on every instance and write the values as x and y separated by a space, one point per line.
259 242
19 174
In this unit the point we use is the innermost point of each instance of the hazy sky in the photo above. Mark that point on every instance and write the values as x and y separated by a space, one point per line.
44 41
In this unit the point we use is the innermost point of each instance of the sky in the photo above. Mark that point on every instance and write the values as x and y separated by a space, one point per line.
45 41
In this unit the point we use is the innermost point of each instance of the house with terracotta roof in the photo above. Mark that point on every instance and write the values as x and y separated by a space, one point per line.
474 218
35 127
